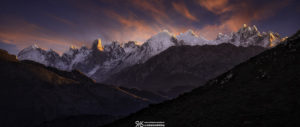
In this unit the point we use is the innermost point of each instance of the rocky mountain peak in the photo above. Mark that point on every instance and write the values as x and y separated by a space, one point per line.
114 49
190 38
52 53
163 36
33 53
30 48
247 31
130 46
250 36
97 45
189 33
159 42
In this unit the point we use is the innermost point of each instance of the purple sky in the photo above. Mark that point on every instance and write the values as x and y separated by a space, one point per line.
57 24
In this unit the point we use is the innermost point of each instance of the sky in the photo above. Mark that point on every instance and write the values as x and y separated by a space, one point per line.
59 24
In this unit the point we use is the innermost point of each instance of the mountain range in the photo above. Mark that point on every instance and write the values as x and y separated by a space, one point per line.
100 61
111 62
42 88
262 91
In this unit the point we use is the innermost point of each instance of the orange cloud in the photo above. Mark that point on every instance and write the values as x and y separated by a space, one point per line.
243 12
153 6
152 16
132 28
23 34
182 9
156 9
137 29
140 30
215 6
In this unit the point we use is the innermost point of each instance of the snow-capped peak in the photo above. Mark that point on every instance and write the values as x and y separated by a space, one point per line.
100 61
33 53
34 46
71 50
29 48
250 35
159 42
190 38
221 38
163 35
247 31
189 33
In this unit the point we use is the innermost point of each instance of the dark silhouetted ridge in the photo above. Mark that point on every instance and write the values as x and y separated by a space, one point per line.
182 68
32 94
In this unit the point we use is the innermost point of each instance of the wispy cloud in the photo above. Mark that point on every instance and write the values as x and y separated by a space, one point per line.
22 33
183 10
79 22
62 20
234 14
153 6
216 6
131 27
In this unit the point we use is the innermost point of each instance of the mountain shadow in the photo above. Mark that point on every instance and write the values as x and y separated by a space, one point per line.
182 68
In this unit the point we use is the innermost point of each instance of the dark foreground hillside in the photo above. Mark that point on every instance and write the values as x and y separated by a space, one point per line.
181 68
263 91
32 94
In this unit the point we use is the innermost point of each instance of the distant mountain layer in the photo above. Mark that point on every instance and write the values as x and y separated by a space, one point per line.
263 91
100 62
32 93
181 68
